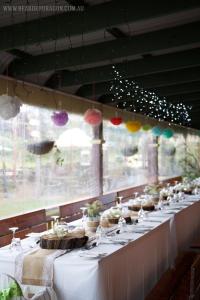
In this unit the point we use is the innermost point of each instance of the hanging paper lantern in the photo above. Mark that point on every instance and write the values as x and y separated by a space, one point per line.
60 118
116 121
9 106
146 127
93 117
41 148
133 126
156 131
168 133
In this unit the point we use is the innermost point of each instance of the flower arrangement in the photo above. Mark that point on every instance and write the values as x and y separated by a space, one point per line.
93 209
152 189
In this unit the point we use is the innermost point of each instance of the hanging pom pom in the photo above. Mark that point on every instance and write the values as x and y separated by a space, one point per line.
168 133
146 127
60 118
157 131
9 106
93 117
133 126
116 120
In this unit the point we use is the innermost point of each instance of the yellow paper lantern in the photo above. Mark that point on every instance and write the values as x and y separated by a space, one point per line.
133 126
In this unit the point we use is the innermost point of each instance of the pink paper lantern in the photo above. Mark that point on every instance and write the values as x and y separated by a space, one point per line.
60 118
93 117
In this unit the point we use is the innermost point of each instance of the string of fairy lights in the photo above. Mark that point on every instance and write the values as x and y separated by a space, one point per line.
128 95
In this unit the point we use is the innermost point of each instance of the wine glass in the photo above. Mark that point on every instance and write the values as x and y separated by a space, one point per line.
122 224
196 191
84 216
119 202
13 243
55 223
141 211
99 235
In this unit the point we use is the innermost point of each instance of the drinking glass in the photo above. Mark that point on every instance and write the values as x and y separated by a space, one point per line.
136 194
122 224
55 223
13 243
99 235
119 204
84 216
141 212
160 205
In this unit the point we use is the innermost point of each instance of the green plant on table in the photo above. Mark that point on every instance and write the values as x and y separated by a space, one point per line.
152 189
94 208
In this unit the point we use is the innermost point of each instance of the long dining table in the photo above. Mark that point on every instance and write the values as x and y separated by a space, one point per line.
126 272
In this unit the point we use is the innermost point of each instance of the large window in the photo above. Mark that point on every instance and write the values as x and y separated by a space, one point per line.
72 169
29 181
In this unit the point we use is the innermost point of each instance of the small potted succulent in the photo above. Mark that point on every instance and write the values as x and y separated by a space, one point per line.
153 190
93 215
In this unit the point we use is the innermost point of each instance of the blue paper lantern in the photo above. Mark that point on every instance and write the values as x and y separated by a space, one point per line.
168 133
156 131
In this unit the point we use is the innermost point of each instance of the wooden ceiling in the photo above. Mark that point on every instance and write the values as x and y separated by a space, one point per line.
155 43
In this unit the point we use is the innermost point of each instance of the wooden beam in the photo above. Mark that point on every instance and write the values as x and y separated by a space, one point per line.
185 35
185 98
147 82
129 69
105 15
178 89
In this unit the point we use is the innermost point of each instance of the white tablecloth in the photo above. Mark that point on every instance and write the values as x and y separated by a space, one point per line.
127 272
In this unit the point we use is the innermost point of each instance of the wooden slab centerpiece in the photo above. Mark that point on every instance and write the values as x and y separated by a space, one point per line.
68 241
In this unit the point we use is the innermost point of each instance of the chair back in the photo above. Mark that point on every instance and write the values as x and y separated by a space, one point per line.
9 288
195 280
44 293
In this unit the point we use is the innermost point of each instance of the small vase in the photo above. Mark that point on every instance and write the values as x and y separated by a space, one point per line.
92 224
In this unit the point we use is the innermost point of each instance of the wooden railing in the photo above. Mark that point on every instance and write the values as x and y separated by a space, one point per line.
39 221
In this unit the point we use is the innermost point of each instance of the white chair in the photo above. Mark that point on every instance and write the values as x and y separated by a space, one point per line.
39 293
10 289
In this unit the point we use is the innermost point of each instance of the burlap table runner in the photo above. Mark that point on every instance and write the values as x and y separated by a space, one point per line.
36 268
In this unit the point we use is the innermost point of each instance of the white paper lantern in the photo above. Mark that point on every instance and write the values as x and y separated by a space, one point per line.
9 106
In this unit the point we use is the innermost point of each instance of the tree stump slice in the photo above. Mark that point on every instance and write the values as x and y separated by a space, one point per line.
64 243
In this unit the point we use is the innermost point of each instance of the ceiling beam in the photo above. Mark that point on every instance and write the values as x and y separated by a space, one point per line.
147 82
185 98
116 32
189 99
129 69
105 15
178 89
185 35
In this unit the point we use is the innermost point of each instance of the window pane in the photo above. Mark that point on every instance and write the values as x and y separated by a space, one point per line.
29 181
192 165
128 158
171 155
